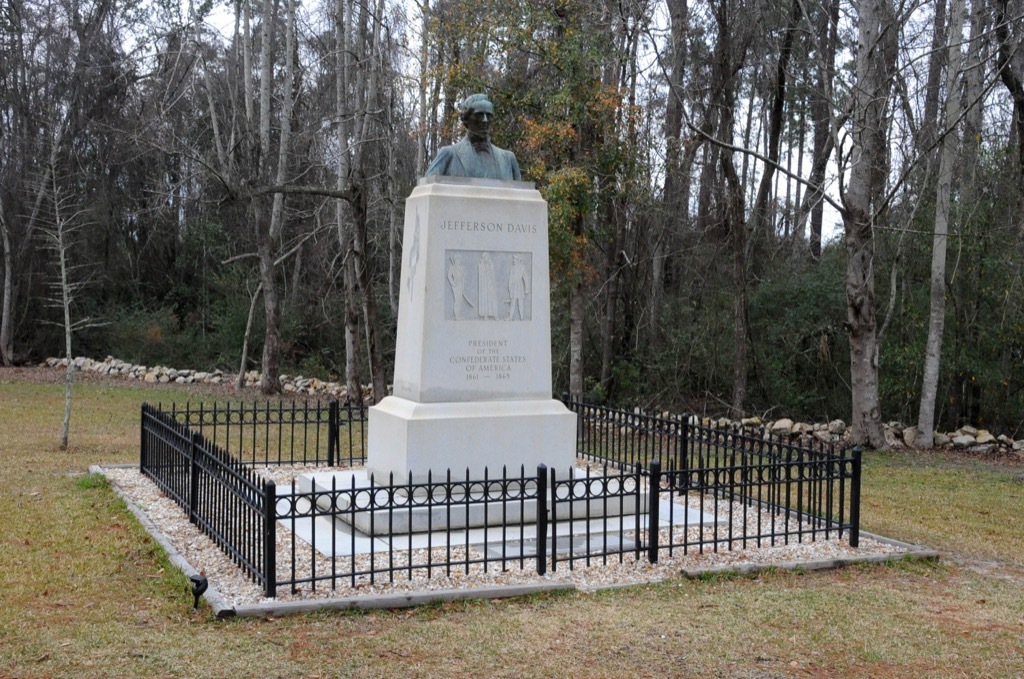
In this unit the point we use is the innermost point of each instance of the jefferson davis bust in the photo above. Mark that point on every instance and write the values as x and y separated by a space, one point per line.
475 155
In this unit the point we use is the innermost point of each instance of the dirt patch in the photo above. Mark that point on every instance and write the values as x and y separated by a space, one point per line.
991 569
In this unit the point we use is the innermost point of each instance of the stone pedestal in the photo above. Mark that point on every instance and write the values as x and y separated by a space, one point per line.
472 386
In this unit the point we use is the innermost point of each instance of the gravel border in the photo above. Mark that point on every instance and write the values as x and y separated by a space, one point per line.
231 594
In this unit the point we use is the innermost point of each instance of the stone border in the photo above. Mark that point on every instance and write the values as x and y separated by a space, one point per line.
402 600
897 435
221 609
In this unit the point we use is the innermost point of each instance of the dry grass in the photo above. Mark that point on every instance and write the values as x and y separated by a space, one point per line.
84 592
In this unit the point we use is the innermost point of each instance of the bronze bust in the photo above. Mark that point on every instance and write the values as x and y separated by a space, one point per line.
475 155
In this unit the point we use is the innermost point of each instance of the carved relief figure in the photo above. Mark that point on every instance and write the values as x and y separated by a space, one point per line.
518 287
457 280
487 289
414 252
475 155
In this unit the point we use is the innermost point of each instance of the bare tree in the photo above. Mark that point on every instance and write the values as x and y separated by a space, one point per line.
61 225
6 326
877 34
947 157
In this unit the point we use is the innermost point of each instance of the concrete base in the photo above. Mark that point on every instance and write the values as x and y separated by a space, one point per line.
420 517
408 437
603 519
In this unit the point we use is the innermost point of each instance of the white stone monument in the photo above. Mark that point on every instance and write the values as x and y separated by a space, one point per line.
472 385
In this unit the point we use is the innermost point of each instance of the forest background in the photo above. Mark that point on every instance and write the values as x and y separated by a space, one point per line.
204 185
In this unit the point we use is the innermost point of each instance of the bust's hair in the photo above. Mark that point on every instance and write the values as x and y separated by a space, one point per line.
474 102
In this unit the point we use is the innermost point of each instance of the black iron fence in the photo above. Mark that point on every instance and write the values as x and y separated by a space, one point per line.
225 498
653 486
810 488
318 433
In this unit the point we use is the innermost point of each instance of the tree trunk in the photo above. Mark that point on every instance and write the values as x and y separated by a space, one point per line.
929 129
611 286
270 377
676 194
974 89
6 315
421 142
730 55
875 63
369 301
65 291
738 236
367 94
577 311
775 121
937 311
270 380
821 112
342 58
1011 80
243 364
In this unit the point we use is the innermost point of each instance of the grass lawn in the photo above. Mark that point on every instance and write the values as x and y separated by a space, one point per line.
85 593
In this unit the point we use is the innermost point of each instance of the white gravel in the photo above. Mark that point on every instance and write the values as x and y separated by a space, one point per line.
237 590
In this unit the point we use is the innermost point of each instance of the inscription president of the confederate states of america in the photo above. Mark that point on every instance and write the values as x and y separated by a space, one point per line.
475 155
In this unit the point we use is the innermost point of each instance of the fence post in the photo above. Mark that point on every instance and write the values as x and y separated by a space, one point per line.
269 539
542 519
332 432
653 496
193 476
143 457
682 475
855 498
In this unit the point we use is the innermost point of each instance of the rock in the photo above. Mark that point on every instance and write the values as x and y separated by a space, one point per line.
823 436
987 448
910 436
837 427
891 440
164 379
801 428
940 439
751 422
782 427
723 423
1018 445
967 430
984 436
1005 440
151 378
963 441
